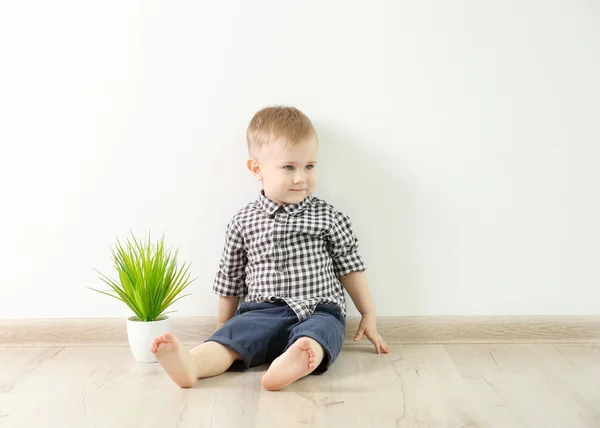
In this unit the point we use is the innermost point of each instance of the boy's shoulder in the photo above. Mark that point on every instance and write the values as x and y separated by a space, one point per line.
245 213
329 207
322 206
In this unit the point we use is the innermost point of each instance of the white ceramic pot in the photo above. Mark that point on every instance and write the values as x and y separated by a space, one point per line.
141 335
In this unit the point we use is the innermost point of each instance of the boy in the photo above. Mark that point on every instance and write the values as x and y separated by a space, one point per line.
291 255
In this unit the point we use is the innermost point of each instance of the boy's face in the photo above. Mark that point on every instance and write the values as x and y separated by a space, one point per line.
288 174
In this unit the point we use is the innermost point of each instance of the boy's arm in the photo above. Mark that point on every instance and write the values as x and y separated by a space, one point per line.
229 282
358 288
227 307
349 268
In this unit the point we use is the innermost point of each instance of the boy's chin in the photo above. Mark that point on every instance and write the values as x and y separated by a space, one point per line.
296 197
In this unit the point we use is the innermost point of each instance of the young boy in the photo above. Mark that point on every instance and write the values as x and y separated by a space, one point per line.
290 255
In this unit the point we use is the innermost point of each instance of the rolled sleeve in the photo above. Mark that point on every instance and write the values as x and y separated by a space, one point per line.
230 279
343 247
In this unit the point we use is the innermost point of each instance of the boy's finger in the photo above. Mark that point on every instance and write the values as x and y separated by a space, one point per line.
359 335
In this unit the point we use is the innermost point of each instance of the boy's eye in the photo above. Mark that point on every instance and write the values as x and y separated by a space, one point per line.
310 166
289 167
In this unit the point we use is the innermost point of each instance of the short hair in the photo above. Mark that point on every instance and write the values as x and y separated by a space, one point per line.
278 123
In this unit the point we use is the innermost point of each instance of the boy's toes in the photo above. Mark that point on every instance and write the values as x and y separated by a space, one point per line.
168 337
156 343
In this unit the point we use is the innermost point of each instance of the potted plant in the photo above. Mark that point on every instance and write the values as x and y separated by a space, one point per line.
149 282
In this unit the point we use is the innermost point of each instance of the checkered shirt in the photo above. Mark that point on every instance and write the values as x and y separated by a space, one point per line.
292 252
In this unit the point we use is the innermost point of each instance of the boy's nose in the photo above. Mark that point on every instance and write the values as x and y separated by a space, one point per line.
299 178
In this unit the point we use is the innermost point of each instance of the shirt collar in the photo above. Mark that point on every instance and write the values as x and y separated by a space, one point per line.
270 207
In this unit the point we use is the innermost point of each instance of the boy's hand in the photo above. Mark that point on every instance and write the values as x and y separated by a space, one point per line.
368 327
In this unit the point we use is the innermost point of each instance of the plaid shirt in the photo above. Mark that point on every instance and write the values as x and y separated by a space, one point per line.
293 253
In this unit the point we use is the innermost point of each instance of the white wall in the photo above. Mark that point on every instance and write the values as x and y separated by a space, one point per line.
462 138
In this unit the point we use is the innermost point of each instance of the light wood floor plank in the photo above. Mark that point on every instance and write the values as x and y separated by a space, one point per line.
229 401
528 385
17 362
364 389
508 386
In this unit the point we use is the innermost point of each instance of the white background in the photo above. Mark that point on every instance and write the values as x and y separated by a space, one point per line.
461 137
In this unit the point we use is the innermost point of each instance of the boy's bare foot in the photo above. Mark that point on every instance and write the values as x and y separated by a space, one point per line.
299 360
178 363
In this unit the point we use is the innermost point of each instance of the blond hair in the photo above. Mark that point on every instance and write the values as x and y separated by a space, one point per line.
278 123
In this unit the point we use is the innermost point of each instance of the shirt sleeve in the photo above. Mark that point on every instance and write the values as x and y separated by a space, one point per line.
230 279
343 246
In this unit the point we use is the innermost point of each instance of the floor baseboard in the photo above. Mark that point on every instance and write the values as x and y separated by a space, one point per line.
395 330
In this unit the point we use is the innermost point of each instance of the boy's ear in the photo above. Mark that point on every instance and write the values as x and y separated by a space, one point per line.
254 168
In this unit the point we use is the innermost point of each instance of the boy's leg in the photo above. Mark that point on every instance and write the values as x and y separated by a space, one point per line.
313 345
247 337
185 367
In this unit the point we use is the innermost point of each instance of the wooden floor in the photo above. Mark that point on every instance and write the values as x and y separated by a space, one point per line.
508 386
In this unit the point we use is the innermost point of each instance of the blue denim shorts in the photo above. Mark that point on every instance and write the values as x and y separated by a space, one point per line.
260 332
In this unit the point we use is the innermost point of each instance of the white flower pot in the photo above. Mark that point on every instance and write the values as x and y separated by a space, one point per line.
141 335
